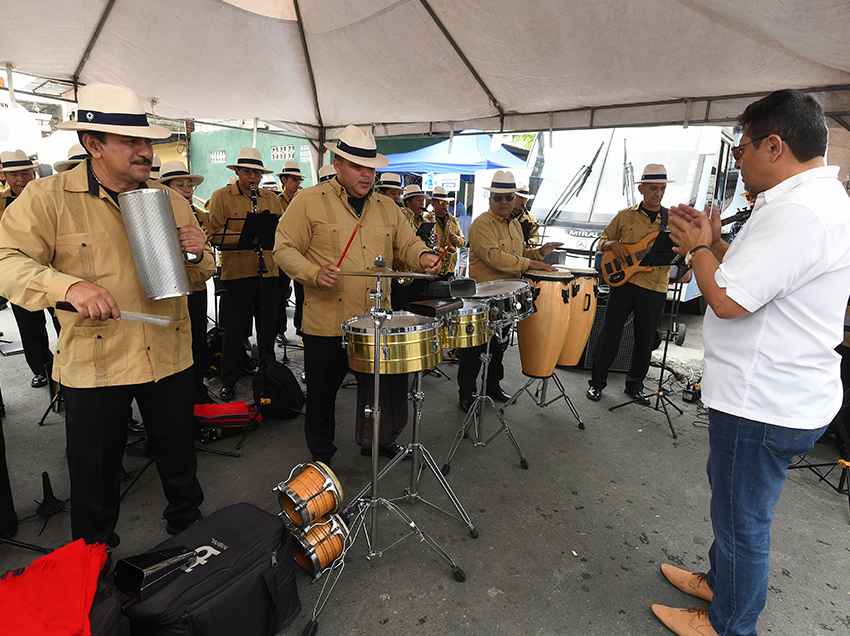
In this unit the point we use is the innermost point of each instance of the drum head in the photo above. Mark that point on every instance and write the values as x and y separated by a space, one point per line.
499 288
583 271
332 476
398 322
536 274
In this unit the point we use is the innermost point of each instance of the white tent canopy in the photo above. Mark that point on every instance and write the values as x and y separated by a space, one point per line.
418 66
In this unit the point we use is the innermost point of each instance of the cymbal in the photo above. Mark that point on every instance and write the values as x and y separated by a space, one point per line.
388 273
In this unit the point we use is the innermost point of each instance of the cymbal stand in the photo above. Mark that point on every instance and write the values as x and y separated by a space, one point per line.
421 458
471 425
539 395
367 505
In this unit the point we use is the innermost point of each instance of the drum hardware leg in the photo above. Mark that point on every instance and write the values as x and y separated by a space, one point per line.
539 396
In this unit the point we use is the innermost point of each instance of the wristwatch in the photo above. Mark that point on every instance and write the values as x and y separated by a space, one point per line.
690 255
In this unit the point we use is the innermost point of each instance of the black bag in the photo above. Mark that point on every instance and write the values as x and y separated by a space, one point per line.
105 616
243 581
277 393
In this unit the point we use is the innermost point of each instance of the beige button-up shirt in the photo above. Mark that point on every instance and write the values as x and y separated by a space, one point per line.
65 229
230 203
314 231
497 249
629 226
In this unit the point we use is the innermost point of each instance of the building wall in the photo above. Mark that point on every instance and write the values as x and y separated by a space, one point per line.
211 152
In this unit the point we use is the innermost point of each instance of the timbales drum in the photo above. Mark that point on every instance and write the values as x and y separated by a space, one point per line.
409 343
466 327
509 300
320 544
583 293
312 493
542 335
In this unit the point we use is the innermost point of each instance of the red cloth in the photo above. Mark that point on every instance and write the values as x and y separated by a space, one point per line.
54 594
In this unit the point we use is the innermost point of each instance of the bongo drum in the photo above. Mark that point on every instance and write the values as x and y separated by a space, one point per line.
583 292
409 343
313 493
541 336
320 544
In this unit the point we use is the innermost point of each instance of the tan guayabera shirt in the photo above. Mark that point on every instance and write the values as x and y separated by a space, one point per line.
314 231
64 229
449 236
497 249
229 203
629 226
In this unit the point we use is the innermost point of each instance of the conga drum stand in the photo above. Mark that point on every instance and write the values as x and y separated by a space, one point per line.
539 395
368 501
471 425
421 459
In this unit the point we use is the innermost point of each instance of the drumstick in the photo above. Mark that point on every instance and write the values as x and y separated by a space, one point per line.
348 245
442 253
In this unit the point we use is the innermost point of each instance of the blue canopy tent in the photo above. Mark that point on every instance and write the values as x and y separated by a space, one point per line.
468 154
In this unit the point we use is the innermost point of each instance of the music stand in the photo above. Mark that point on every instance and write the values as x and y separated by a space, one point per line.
661 254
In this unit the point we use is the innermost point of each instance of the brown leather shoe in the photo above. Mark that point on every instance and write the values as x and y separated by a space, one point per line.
693 583
685 622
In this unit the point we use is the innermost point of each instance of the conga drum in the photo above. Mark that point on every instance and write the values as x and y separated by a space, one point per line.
583 292
541 335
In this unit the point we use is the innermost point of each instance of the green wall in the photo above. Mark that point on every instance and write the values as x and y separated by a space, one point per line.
230 141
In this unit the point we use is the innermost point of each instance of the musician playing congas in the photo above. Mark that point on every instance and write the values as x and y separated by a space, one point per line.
644 294
496 251
63 240
310 241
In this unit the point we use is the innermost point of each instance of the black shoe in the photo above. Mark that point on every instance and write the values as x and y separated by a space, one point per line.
464 404
114 540
281 340
176 528
9 531
637 394
325 459
227 393
496 393
593 393
249 367
38 380
135 427
388 450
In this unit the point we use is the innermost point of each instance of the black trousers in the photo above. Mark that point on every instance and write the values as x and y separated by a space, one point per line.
299 307
8 518
647 306
285 291
326 365
96 429
200 353
32 327
469 366
241 300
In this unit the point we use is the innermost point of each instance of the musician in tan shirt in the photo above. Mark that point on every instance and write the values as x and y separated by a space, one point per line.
447 233
244 293
496 251
310 240
64 240
644 294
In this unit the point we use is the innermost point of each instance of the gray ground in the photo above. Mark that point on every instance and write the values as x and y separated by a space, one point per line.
571 546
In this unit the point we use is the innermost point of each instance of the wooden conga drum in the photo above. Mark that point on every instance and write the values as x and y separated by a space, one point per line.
541 335
583 292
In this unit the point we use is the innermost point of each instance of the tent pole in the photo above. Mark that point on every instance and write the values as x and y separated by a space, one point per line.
463 58
312 75
254 134
11 84
90 46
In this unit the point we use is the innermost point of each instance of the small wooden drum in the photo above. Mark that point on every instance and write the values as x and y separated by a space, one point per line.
583 292
313 493
409 343
541 336
319 545
466 327
509 300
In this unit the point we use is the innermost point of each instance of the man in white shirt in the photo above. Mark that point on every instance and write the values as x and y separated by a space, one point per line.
772 383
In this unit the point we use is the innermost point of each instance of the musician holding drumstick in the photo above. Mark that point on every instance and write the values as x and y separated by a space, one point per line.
343 221
496 251
644 294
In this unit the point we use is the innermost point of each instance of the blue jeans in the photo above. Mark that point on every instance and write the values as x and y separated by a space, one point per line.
747 465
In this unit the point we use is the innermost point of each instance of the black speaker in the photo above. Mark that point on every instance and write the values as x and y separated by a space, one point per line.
623 360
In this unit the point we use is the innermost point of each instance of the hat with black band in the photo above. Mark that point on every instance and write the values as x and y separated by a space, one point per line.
16 161
249 158
113 109
359 147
